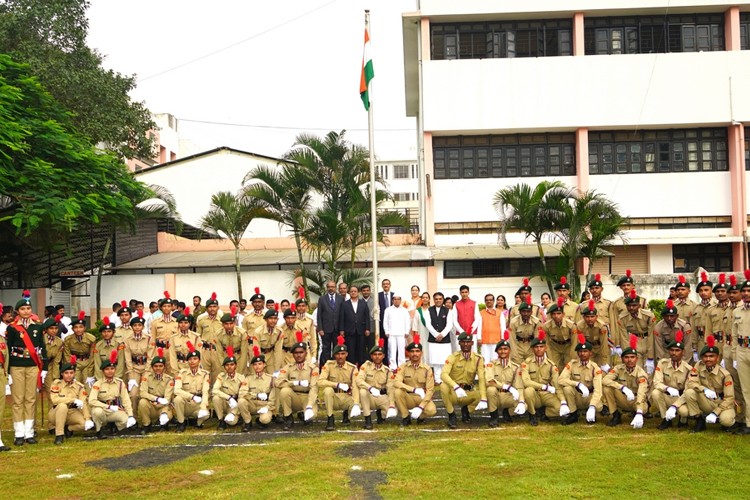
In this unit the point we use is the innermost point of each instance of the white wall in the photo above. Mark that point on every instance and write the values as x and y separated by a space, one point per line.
145 287
660 259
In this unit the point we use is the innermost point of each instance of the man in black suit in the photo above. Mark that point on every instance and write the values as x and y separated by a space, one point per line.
329 306
385 300
354 325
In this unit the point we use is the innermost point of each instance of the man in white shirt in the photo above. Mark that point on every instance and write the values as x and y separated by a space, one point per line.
396 324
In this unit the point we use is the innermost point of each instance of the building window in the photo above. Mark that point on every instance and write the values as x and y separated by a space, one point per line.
654 34
492 268
401 172
543 38
744 30
713 257
516 155
405 196
647 151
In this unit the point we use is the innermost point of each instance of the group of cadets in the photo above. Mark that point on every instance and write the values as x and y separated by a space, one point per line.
599 357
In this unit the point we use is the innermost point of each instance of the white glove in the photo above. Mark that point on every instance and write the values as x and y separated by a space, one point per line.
44 375
230 418
263 410
419 392
514 392
202 414
520 408
460 393
375 392
673 392
308 413
355 411
617 350
415 412
671 413
131 383
232 403
89 381
649 366
695 356
482 405
262 396
734 365
163 419
391 412
711 418
296 382
197 399
549 388
628 393
88 425
723 365
591 415
276 374
709 393
343 387
304 383
564 410
605 368
78 403
584 390
114 408
162 401
130 422
637 422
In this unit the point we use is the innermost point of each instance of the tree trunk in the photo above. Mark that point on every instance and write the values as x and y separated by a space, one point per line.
298 242
107 245
544 266
237 270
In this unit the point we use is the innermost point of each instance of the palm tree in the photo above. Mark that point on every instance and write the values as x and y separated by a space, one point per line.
534 211
229 217
285 195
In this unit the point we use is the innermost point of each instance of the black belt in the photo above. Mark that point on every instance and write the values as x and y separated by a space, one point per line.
208 347
719 336
561 342
266 351
743 341
466 387
139 360
286 349
181 357
341 391
520 339
640 335
383 391
80 357
164 344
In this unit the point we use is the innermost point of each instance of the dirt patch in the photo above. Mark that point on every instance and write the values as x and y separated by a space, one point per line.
362 449
150 457
366 483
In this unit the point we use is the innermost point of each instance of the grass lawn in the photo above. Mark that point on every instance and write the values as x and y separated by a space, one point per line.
426 461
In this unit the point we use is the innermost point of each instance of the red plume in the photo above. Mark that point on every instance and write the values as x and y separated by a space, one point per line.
670 304
160 352
340 340
682 279
73 359
234 311
213 295
81 315
704 276
186 311
140 313
628 273
293 307
276 307
710 341
1 306
113 356
633 342
526 282
528 299
416 338
679 336
541 334
230 351
301 292
722 278
563 280
26 294
58 318
257 289
256 351
123 303
105 320
598 277
381 342
506 335
732 280
581 338
166 295
747 274
190 346
299 336
592 305
633 295
560 302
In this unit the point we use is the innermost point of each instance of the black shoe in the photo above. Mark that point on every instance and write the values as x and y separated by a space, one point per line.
665 424
648 414
4 448
605 411
259 424
368 422
452 424
506 416
59 439
742 430
31 440
465 417
570 419
420 421
181 426
222 425
379 415
278 419
247 426
616 419
543 417
18 442
533 420
51 432
301 416
700 424
682 423
493 419
331 425
728 429
345 418
100 434
164 428
68 432
406 421
112 429
288 422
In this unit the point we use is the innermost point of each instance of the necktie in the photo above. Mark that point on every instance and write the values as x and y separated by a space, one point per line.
387 299
333 301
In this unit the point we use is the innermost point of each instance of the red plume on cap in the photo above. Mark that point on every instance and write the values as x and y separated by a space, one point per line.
381 342
628 273
598 277
526 282
190 346
679 336
747 274
105 320
416 338
186 311
704 276
166 295
73 359
113 357
710 341
592 305
541 334
633 342
58 318
26 294
257 289
293 307
560 302
581 338
299 336
230 351
301 292
140 313
670 304
160 352
81 315
340 340
213 295
563 280
276 307
528 299
1 306
506 335
733 280
682 279
234 311
722 278
256 351
633 295
123 303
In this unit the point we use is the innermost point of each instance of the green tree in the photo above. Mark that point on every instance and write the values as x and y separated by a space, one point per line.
229 217
536 212
50 35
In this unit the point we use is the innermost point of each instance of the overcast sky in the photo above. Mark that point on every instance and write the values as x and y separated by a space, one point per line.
285 66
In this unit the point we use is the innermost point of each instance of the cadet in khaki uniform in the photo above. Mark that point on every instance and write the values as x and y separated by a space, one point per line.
81 345
255 319
560 334
139 349
375 385
178 349
670 381
701 319
685 305
722 319
157 391
232 336
639 322
504 384
525 293
540 381
69 400
288 334
601 304
568 307
191 390
522 330
54 352
596 333
581 383
104 348
163 327
710 390
229 389
665 331
298 387
626 387
268 338
458 381
109 400
414 385
741 345
209 327
618 308
305 324
4 367
125 314
337 379
260 398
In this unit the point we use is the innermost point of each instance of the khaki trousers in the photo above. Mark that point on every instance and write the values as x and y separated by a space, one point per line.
451 401
149 412
499 400
187 408
336 400
24 392
369 401
406 401
61 415
222 409
742 355
616 400
663 401
291 401
698 403
250 407
102 416
537 399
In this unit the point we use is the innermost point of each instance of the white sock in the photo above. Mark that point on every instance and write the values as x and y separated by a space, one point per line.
18 429
29 429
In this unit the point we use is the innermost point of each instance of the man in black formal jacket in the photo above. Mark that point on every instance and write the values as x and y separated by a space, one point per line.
329 307
354 325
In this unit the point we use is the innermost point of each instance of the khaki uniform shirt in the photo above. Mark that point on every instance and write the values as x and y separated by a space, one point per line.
664 334
721 321
162 330
536 375
501 376
380 378
208 328
637 381
188 384
236 339
616 309
409 377
138 354
718 380
685 309
62 393
261 384
602 307
332 374
227 387
306 371
562 333
590 375
153 387
307 327
107 393
54 348
666 375
178 349
597 334
102 351
536 312
83 349
641 326
461 371
121 333
253 320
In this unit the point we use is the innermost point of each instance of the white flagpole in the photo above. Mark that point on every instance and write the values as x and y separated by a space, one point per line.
373 203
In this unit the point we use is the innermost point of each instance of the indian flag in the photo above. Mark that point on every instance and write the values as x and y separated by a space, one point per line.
367 73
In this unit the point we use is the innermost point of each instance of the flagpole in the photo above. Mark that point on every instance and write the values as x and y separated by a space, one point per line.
373 202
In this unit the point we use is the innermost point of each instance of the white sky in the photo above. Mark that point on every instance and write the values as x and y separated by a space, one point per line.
302 75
